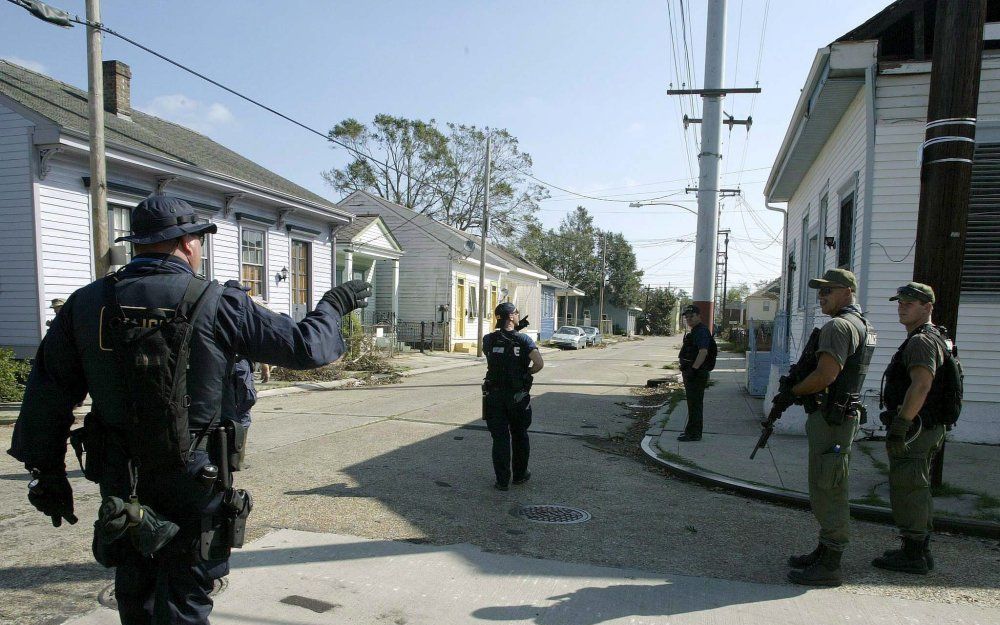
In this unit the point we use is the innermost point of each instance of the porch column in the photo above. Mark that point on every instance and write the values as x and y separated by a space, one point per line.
395 290
576 310
348 265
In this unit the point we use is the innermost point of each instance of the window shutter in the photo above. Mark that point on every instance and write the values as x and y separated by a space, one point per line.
981 266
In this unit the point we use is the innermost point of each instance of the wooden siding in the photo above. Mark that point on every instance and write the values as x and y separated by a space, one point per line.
424 272
833 174
19 305
322 272
901 103
67 250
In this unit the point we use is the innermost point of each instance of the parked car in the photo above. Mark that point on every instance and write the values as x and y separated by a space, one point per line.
569 336
593 335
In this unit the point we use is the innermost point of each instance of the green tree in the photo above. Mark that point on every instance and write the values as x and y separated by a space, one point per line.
572 253
438 174
658 311
737 293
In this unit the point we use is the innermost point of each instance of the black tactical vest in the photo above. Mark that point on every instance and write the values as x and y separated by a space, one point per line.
943 403
507 362
148 294
852 377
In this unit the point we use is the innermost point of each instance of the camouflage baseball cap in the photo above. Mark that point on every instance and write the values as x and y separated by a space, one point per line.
837 278
914 291
57 302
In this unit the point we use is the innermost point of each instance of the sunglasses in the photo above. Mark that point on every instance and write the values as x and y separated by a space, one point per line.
827 290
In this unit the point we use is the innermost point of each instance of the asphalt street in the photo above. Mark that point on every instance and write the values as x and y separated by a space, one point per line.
410 463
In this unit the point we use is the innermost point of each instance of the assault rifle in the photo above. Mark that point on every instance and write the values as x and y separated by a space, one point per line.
785 398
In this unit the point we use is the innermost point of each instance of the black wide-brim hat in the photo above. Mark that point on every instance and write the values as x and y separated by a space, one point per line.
162 218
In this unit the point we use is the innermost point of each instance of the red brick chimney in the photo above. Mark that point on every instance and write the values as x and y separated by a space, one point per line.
117 80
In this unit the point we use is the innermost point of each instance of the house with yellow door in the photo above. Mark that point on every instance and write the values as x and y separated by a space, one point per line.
439 292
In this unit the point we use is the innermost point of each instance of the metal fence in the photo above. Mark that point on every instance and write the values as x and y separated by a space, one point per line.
370 330
423 335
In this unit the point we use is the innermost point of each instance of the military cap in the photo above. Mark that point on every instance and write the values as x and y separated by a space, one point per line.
841 278
163 217
57 302
914 291
504 309
691 309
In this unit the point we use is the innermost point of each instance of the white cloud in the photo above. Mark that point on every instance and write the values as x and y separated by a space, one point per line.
34 66
189 112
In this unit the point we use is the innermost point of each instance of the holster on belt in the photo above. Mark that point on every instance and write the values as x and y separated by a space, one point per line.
225 529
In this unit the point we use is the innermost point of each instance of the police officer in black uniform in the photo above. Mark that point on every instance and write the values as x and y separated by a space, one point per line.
512 358
162 576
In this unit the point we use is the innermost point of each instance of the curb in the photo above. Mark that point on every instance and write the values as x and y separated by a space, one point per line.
878 514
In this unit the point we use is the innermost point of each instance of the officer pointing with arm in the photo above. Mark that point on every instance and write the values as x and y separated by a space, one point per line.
915 431
154 344
830 395
512 358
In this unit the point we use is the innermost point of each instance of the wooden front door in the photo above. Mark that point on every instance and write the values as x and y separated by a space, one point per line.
301 277
460 308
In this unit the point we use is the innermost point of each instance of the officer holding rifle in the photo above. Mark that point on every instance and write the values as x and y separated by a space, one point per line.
827 381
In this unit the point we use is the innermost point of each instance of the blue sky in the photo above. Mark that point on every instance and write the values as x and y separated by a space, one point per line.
581 84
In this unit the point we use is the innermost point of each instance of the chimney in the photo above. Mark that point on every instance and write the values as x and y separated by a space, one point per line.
117 80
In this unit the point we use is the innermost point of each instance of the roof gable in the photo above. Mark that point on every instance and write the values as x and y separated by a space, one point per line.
67 106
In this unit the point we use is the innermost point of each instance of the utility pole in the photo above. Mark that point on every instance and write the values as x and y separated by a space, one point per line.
482 249
703 292
946 166
604 272
98 167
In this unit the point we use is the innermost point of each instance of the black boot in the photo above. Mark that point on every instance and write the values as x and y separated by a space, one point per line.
808 559
928 557
824 572
909 559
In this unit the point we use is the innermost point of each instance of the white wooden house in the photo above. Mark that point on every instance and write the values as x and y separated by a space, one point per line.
273 235
439 275
849 171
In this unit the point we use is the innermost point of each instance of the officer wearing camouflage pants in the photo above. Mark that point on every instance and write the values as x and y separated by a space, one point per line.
830 396
911 444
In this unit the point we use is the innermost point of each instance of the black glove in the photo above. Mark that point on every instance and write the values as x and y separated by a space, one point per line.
895 440
522 324
52 495
349 296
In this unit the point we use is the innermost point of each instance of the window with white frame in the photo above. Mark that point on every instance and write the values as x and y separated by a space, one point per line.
120 222
845 240
252 260
206 256
473 306
804 261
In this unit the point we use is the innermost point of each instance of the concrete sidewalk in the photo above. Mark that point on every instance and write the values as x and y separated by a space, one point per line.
732 427
293 577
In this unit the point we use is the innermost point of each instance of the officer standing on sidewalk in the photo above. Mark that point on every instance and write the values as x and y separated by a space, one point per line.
512 358
170 541
914 432
697 358
832 401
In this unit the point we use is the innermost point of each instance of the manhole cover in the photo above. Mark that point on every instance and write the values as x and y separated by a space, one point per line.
107 596
552 514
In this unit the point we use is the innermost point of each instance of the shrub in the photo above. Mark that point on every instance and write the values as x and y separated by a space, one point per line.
13 376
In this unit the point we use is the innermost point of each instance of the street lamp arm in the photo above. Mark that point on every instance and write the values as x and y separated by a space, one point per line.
641 204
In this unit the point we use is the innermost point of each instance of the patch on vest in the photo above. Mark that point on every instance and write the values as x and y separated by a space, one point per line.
145 317
517 350
497 350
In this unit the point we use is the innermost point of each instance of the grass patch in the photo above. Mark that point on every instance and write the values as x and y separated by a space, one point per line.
871 499
949 490
647 365
671 457
727 346
986 502
671 365
880 465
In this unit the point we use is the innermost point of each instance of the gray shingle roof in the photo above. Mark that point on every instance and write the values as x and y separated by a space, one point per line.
352 229
67 106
